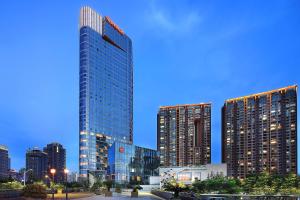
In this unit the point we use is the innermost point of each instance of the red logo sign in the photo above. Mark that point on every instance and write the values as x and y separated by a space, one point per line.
121 149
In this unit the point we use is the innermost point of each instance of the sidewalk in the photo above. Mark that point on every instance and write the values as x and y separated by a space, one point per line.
124 196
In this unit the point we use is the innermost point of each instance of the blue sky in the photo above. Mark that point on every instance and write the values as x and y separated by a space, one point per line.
184 52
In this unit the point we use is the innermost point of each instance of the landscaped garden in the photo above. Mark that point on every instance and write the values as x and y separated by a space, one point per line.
15 189
35 189
260 184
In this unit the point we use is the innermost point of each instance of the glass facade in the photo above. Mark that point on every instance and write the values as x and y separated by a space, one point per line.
259 133
106 89
128 163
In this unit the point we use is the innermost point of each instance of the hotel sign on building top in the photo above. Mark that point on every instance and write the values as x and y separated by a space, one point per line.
114 25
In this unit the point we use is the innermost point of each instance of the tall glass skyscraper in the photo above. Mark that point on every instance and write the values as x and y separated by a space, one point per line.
106 90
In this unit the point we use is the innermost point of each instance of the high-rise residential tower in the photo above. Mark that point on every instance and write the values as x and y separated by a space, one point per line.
4 162
37 162
56 160
106 90
259 133
184 134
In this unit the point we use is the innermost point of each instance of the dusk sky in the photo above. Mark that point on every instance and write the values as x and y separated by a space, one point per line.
184 52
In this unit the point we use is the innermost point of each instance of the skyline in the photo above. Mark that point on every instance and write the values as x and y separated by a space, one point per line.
224 51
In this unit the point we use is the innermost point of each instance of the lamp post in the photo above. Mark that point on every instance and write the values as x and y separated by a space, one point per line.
53 171
25 172
66 171
47 177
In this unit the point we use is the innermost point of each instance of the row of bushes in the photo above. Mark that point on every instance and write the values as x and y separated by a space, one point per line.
36 190
109 184
259 184
14 185
39 189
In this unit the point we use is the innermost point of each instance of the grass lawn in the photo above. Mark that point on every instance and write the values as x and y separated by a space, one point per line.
74 195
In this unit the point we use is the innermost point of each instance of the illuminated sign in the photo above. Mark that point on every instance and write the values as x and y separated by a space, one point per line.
121 149
114 25
187 176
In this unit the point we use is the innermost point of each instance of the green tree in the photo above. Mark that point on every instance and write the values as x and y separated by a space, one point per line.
231 186
96 186
173 186
290 185
199 186
108 184
35 191
249 183
223 185
11 185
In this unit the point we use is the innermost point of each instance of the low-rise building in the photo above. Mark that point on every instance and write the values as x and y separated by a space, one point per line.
188 175
72 177
130 163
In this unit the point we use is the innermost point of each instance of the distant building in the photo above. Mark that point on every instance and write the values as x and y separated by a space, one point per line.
130 163
188 175
259 133
15 175
184 134
56 160
105 92
72 177
4 162
37 162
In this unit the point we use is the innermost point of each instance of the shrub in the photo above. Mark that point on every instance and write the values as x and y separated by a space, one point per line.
174 186
58 186
136 188
96 186
217 184
14 185
108 184
129 186
35 190
289 191
199 187
118 186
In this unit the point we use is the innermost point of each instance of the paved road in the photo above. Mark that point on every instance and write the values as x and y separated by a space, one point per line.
124 196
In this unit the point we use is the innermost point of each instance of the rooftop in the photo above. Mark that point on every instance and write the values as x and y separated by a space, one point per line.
3 147
262 93
185 105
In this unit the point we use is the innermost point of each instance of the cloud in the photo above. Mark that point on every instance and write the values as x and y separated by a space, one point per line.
163 21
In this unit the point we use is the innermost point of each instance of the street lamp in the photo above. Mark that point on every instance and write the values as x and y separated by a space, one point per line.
66 171
25 172
48 179
52 171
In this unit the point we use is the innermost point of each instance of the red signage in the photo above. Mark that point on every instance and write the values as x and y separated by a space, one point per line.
114 25
121 149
